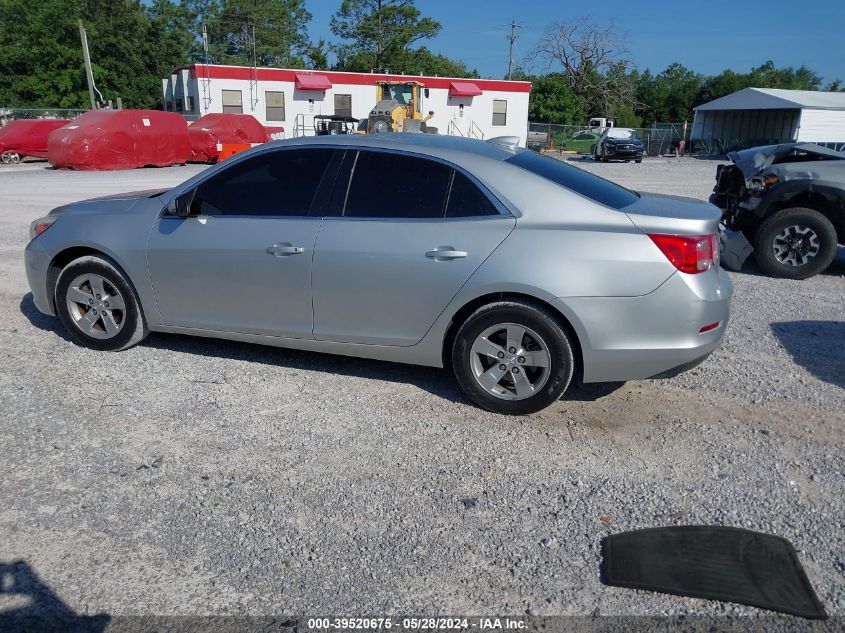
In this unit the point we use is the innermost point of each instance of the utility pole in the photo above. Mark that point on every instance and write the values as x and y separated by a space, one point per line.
512 38
88 72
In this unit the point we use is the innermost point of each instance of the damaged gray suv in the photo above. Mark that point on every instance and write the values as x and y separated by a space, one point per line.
788 201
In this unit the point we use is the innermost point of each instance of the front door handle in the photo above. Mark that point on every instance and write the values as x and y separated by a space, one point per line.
284 249
445 253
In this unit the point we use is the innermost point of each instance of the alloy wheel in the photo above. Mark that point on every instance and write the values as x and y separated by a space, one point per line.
96 306
795 245
510 361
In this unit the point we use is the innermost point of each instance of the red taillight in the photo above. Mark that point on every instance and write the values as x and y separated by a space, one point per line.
689 253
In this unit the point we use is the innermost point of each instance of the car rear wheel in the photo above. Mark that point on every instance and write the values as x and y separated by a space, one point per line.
795 243
98 306
513 358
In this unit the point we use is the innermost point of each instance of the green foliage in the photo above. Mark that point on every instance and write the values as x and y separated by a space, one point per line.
379 33
267 32
552 100
669 96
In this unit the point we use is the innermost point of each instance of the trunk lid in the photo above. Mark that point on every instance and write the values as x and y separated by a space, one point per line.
674 215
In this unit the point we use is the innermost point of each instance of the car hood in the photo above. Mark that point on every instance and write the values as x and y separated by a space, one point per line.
114 203
752 161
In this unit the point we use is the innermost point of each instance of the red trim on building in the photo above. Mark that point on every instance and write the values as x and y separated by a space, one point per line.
361 79
463 89
312 82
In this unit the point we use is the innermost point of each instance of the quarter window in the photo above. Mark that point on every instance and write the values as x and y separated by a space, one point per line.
500 112
275 105
388 185
232 102
281 183
467 200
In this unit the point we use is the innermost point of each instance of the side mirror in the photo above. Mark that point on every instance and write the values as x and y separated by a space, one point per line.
182 205
426 93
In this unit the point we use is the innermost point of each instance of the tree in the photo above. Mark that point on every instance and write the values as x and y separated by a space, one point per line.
265 32
552 100
669 96
592 58
40 57
379 33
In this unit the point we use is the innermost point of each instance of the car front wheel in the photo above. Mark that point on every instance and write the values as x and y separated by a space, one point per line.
795 243
98 306
512 357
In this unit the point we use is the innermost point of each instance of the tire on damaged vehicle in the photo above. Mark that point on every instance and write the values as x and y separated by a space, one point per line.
795 243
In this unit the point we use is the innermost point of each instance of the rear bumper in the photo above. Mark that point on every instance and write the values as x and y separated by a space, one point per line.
654 335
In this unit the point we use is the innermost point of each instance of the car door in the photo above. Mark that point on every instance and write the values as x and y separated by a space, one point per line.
243 263
412 232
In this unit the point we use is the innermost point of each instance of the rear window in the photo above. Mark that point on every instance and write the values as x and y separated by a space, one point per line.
588 185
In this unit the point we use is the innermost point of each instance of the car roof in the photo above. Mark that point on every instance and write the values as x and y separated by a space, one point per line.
447 147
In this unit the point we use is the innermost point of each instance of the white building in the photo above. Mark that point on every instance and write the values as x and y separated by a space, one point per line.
289 99
765 116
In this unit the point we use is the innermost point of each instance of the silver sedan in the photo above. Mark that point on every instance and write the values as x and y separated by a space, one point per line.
518 271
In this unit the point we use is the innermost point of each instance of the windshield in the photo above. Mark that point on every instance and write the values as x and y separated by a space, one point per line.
593 187
623 135
401 92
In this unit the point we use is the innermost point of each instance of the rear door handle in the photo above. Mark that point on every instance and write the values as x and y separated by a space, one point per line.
284 249
445 253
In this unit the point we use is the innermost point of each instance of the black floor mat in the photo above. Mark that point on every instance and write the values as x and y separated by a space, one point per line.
717 563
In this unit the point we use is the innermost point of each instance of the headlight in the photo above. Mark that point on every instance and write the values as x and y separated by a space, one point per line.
40 225
759 183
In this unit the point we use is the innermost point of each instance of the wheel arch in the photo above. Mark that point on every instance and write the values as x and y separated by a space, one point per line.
463 313
828 201
66 256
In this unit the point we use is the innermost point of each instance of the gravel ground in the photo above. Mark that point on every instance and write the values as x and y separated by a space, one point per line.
192 476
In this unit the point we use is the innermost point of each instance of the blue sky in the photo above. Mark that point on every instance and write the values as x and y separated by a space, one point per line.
707 36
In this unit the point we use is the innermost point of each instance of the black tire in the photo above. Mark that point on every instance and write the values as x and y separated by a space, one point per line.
776 224
132 326
639 160
537 318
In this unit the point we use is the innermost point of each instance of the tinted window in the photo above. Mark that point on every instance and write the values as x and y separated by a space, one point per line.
465 199
281 183
598 189
395 186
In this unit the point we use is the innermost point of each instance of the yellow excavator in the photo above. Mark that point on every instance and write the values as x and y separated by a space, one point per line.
399 108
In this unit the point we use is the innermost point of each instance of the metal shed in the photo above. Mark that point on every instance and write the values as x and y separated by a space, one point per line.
766 116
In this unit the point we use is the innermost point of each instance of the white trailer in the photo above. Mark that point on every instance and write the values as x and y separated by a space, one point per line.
288 99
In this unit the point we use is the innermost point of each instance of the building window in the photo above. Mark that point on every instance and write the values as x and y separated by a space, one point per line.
232 102
178 105
168 105
275 105
500 112
343 105
189 104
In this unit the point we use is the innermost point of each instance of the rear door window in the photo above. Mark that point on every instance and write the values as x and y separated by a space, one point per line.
588 185
386 185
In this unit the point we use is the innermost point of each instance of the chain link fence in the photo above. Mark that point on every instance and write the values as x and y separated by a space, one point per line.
659 140
10 114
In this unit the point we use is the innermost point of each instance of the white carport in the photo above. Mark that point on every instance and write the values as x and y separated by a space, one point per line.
766 116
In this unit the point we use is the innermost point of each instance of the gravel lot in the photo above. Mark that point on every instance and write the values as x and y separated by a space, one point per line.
192 476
